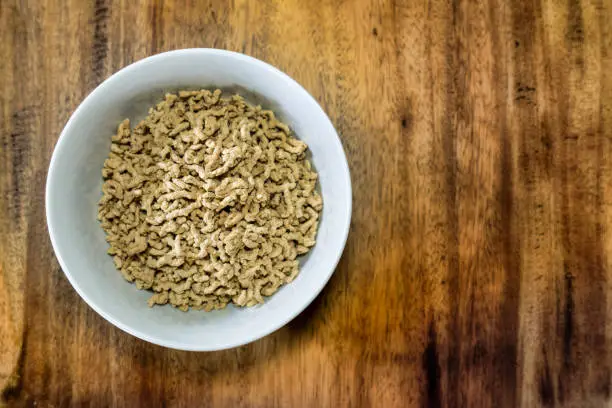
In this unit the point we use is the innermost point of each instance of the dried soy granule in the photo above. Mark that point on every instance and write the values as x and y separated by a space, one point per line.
208 201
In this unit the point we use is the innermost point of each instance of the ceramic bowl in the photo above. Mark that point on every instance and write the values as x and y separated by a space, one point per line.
74 187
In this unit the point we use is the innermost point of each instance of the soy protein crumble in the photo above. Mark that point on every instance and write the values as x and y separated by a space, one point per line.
208 201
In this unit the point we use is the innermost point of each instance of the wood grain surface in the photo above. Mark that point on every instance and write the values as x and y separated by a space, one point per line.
478 270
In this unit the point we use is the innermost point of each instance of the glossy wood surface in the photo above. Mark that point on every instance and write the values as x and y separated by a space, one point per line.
478 270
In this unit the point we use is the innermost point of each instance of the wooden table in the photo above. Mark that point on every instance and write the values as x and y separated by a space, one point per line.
478 270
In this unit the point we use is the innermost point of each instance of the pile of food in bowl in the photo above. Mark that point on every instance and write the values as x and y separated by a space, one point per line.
208 201
204 199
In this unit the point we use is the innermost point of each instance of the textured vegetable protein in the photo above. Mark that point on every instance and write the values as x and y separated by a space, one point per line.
208 201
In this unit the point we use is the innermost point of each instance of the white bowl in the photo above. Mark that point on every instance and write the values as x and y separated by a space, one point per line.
74 187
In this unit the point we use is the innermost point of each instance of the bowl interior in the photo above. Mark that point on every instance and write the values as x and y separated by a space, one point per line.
74 188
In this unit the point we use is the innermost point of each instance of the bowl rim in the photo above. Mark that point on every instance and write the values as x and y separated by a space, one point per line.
178 345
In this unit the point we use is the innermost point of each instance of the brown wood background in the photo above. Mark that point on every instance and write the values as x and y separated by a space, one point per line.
478 271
